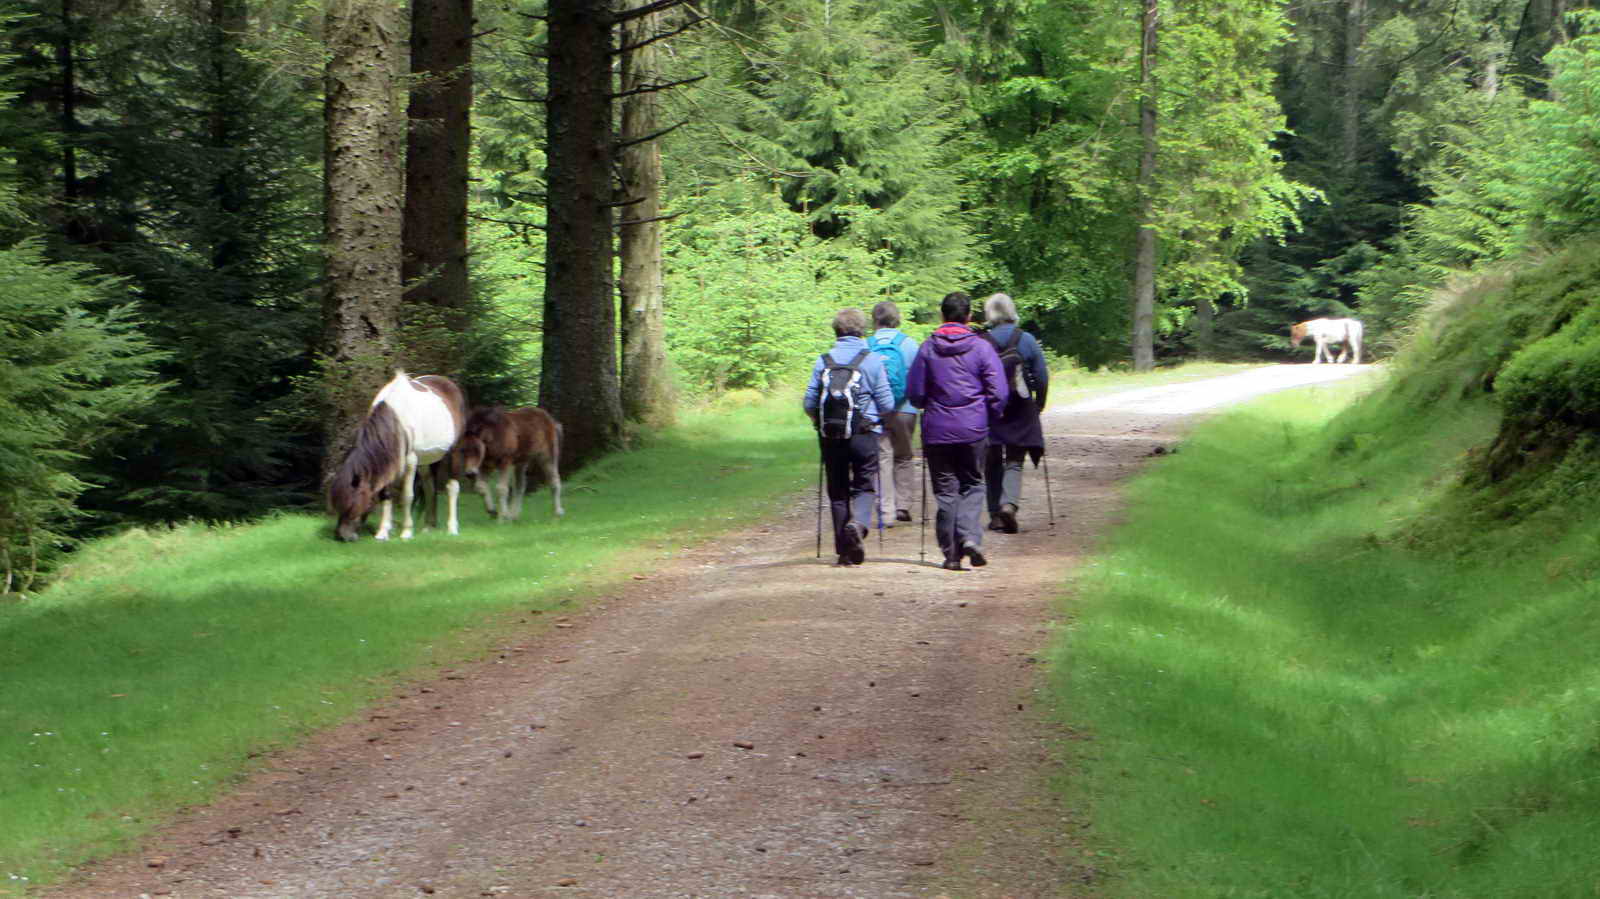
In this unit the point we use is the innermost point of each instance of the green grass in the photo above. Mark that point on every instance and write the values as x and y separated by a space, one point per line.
165 661
1288 697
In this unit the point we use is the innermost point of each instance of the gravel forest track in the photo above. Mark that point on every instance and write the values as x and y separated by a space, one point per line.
745 720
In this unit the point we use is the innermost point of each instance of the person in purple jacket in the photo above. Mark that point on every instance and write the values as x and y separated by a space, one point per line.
959 383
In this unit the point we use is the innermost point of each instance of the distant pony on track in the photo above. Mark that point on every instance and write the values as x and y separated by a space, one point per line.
1346 332
412 422
508 443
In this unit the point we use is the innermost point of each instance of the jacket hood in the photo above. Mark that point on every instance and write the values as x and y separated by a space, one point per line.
953 339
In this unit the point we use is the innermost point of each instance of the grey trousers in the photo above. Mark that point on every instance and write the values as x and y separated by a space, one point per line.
898 487
1003 474
956 470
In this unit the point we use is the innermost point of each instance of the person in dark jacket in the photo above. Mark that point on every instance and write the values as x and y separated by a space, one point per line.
958 382
850 460
1018 434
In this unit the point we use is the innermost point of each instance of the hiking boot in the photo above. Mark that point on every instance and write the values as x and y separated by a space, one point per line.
972 552
953 565
853 538
1007 517
902 515
844 563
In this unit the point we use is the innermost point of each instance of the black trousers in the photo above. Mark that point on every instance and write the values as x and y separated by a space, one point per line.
851 467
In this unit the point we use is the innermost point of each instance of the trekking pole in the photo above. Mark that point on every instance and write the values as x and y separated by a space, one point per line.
1049 503
819 507
922 546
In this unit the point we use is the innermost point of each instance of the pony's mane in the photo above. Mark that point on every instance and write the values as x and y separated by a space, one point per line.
375 456
485 418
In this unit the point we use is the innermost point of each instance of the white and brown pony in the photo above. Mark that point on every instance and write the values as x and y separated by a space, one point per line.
1346 332
508 442
412 422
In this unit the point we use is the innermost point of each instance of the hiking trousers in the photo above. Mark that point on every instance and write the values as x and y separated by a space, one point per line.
956 470
898 486
1003 475
850 466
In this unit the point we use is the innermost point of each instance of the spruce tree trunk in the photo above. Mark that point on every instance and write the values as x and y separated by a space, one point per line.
363 173
1205 328
579 383
1144 254
647 394
438 295
1355 33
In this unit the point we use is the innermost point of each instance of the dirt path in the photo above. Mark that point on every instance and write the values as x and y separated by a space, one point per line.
747 721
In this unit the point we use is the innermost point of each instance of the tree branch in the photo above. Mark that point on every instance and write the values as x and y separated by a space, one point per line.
654 218
661 36
639 12
632 141
658 86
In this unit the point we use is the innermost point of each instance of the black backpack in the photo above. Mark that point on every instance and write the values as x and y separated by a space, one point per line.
840 416
1011 359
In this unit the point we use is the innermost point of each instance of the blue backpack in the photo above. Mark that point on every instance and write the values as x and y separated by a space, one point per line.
894 365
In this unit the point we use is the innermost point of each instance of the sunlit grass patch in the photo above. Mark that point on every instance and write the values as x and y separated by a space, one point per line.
1288 700
166 658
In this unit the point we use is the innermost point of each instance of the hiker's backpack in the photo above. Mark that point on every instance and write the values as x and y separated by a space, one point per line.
840 413
894 365
1011 359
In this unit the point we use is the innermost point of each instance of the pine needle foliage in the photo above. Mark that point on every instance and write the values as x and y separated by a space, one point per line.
69 380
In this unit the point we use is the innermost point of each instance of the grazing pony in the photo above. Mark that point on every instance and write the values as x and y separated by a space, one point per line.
508 442
1346 332
412 422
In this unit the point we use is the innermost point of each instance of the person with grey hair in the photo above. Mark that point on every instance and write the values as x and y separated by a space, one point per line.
897 485
847 398
1019 433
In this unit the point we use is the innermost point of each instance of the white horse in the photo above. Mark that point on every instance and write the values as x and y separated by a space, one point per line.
413 422
1346 332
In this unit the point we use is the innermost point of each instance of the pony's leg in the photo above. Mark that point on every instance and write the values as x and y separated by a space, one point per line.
452 492
519 490
385 518
553 478
484 488
430 498
408 488
504 499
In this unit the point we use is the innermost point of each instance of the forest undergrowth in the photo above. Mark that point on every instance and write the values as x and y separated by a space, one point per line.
1339 651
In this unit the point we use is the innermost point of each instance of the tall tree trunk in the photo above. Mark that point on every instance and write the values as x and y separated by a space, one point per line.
1355 33
438 295
1144 252
363 173
1205 328
229 18
647 394
578 383
66 65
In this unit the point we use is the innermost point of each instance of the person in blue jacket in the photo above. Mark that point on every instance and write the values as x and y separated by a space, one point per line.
847 399
1018 433
897 484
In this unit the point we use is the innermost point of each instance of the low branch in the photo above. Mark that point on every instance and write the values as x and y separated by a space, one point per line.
654 218
512 222
661 36
620 203
634 141
639 12
658 86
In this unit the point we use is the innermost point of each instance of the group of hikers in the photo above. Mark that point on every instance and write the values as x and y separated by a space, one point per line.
979 393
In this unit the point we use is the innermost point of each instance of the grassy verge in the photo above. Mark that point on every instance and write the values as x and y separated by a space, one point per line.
1290 697
165 661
